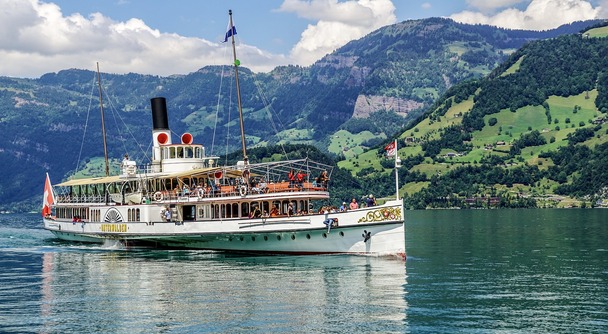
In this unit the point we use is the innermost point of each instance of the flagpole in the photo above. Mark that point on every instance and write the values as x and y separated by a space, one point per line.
238 90
397 165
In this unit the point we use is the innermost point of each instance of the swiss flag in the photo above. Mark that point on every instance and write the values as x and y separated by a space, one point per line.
390 149
48 200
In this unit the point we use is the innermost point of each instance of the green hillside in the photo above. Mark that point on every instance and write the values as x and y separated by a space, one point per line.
533 133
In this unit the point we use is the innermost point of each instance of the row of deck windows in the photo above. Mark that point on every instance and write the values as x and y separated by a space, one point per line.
183 152
247 208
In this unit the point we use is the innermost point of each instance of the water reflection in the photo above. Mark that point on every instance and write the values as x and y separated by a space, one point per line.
508 270
197 291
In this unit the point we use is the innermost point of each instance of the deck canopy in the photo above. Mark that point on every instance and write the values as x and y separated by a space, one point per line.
271 171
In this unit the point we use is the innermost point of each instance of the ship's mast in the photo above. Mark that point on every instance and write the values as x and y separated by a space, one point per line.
103 126
238 90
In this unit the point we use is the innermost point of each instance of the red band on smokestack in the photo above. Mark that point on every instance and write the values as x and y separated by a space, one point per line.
162 138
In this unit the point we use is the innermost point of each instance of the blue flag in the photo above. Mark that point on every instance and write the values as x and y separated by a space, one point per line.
230 33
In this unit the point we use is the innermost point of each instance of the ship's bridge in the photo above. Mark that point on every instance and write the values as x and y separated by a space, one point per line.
181 157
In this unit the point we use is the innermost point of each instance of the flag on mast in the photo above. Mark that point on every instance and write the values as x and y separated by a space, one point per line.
229 33
49 198
391 149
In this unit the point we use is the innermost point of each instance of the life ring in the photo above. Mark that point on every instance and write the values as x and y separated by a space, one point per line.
158 196
243 190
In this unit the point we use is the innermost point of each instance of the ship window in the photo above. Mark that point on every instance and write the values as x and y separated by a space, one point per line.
226 213
171 152
216 211
187 152
244 209
284 207
235 210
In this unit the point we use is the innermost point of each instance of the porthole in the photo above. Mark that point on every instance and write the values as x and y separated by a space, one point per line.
278 237
308 236
229 238
341 233
265 238
252 238
324 235
293 237
241 238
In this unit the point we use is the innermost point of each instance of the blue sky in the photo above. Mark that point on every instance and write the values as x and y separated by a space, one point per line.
179 37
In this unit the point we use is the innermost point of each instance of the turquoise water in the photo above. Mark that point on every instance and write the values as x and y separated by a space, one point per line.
507 271
468 271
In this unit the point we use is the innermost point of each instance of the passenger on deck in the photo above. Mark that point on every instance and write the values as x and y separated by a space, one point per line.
301 176
263 186
292 178
274 212
256 213
323 179
290 210
124 162
353 204
343 207
370 201
168 214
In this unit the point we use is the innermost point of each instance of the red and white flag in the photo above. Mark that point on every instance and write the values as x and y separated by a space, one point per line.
49 199
391 149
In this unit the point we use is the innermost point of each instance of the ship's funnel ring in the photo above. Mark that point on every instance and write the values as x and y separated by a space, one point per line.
162 138
187 138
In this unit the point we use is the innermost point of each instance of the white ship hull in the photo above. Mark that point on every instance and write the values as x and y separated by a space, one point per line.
306 234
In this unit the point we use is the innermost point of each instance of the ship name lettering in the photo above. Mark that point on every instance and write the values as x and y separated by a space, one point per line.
113 227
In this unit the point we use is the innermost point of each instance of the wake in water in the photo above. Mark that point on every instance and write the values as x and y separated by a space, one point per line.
113 245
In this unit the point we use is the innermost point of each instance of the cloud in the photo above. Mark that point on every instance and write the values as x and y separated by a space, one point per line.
36 38
539 15
486 5
337 23
426 5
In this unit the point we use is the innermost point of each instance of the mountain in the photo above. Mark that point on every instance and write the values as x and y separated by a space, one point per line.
345 103
533 130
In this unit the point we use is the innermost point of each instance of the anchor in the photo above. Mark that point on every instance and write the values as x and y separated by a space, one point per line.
366 235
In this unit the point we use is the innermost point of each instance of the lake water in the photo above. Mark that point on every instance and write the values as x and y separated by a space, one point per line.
468 271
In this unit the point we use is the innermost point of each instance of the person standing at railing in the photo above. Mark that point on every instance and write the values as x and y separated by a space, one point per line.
323 179
300 177
292 178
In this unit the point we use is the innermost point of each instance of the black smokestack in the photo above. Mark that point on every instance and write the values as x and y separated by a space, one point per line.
159 113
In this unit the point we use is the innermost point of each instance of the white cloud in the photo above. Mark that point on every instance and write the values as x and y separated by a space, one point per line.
426 5
36 38
337 24
488 5
539 15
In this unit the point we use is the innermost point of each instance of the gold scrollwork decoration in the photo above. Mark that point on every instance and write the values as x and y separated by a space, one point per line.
381 215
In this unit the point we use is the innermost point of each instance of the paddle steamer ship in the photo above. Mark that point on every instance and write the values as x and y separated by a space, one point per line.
185 199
